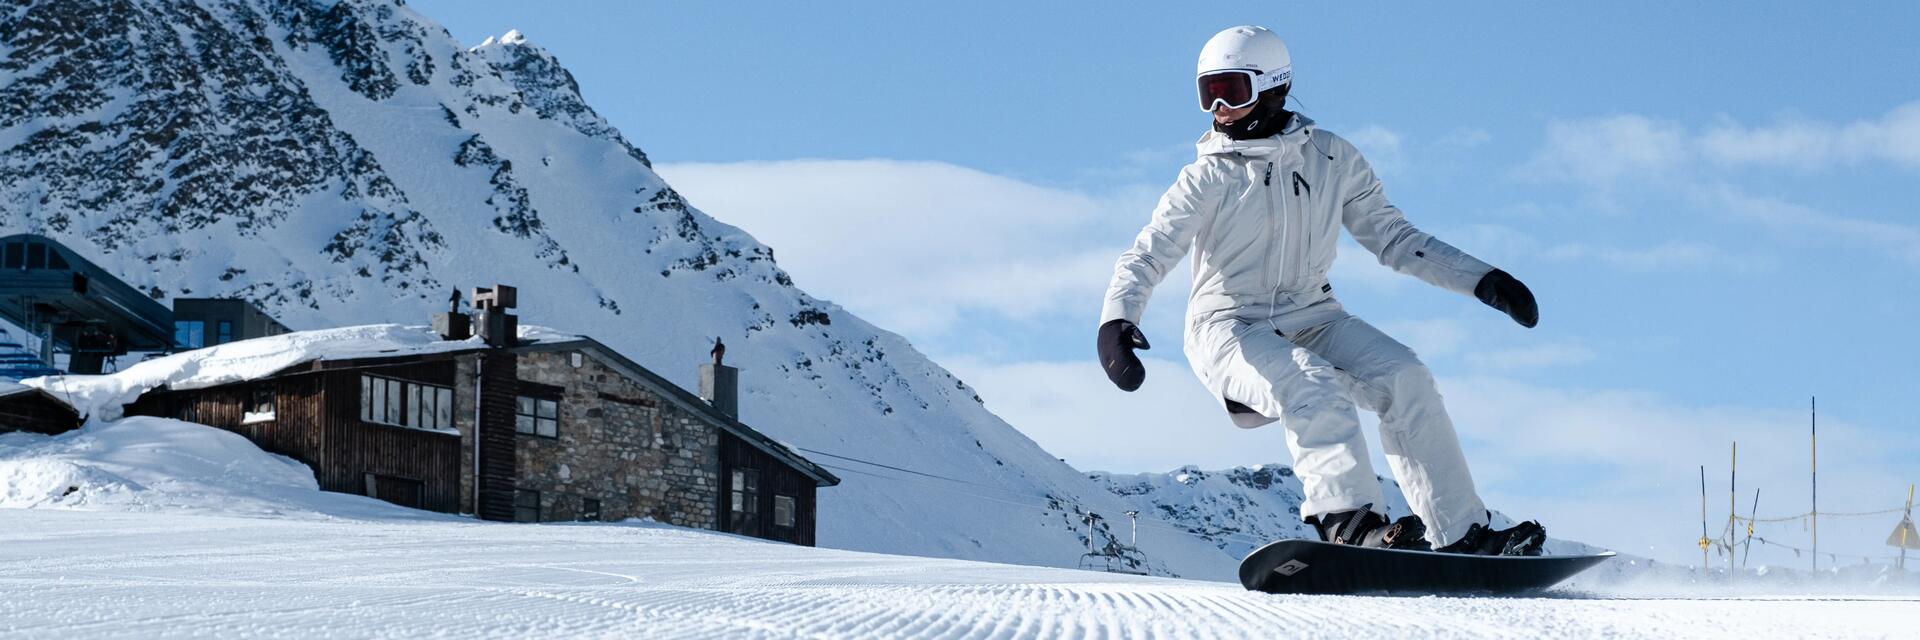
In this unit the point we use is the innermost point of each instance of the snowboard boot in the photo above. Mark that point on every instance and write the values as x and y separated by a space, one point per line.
1363 527
1524 539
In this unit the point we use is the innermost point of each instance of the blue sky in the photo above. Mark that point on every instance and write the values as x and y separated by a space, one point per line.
1715 205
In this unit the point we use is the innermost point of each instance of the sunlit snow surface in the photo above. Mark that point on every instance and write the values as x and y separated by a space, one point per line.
70 574
153 528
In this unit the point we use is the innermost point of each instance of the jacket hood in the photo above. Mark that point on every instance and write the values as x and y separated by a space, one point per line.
1297 133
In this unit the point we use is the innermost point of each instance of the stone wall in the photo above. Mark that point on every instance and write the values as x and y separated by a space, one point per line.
619 443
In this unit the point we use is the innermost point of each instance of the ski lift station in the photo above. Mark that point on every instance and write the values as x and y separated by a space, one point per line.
69 306
74 307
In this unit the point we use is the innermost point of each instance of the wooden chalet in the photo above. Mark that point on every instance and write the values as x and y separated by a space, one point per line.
24 408
555 430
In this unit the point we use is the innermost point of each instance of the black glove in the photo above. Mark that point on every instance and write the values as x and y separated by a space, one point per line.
1501 291
1118 339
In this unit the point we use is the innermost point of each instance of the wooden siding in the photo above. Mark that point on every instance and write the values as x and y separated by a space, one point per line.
775 478
499 382
317 422
294 432
33 412
356 448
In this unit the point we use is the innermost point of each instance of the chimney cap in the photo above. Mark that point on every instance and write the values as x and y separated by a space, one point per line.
498 296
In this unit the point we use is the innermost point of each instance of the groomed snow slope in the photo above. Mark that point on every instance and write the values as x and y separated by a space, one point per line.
120 575
152 528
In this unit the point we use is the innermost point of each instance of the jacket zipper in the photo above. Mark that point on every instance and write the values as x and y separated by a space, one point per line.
1307 260
1279 232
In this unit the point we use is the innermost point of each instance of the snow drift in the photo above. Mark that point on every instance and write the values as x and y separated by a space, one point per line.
148 464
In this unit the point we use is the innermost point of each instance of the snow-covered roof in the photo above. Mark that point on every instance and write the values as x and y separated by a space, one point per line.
103 396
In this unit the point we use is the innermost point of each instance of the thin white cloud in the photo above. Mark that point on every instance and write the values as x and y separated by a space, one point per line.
1801 222
1430 338
1805 144
1381 146
1607 151
1531 357
1633 153
1661 257
1601 152
1498 243
1466 138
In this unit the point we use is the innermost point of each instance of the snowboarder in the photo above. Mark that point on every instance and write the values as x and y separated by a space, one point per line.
1261 210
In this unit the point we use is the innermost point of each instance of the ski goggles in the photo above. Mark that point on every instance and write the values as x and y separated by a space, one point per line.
1237 88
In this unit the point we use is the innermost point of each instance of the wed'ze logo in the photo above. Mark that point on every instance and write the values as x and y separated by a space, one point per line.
1290 568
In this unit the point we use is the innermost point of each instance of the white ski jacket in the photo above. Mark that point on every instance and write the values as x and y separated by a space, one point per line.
1262 219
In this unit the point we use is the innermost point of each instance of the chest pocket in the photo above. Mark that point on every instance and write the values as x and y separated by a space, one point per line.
1309 196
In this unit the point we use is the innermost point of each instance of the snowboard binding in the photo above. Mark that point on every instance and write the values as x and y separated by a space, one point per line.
1362 527
1524 539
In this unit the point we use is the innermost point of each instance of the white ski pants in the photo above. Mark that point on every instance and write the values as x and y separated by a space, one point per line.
1310 380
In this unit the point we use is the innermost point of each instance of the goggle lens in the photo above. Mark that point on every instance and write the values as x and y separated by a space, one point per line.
1235 88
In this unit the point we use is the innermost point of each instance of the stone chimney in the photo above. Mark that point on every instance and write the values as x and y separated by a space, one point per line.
720 384
495 460
497 327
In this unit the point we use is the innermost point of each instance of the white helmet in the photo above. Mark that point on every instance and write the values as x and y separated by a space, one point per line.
1253 51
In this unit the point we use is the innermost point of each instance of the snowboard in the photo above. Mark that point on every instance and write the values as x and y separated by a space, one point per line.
1311 566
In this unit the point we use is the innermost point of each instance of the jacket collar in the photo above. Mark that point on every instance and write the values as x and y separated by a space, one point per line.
1297 133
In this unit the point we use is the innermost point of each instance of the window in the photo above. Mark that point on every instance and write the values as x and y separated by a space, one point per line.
443 407
260 405
526 505
16 255
36 255
536 416
590 510
746 500
191 334
783 511
406 404
226 332
54 260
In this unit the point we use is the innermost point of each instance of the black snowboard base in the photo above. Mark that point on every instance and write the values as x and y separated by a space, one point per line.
1311 566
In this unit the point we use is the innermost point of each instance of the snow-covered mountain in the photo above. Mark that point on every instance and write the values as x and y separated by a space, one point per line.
349 162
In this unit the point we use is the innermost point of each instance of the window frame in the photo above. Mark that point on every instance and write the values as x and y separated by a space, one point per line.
398 402
530 408
743 503
590 510
259 410
223 331
194 333
523 495
792 511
